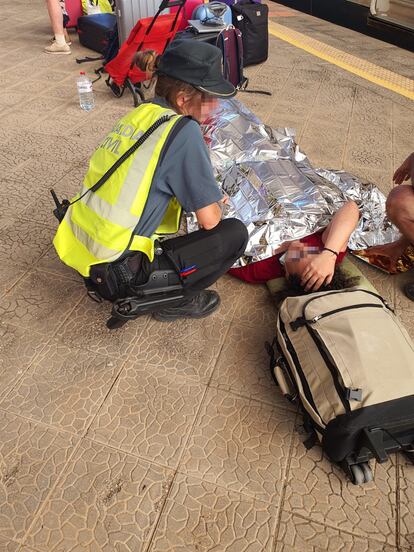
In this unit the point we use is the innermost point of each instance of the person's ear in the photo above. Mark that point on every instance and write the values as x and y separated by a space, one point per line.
180 100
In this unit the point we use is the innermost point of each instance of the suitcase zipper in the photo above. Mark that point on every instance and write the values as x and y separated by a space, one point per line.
329 313
302 377
340 388
343 392
302 320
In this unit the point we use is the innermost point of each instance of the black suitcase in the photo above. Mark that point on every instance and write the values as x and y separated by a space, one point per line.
252 20
96 31
192 34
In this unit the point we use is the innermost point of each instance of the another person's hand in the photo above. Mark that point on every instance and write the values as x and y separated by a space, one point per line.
319 271
405 171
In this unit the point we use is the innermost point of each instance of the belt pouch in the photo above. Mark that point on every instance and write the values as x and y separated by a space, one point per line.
105 281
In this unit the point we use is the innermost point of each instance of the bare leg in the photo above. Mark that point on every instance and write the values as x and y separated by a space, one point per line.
400 210
56 16
59 45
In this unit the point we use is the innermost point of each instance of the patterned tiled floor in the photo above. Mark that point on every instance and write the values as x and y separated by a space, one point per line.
171 437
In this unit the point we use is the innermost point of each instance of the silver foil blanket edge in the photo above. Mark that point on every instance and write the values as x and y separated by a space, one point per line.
275 191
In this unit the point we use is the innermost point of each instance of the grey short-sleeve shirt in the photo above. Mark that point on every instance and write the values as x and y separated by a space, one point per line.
185 172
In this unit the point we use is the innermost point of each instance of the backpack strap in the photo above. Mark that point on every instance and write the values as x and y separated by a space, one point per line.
86 59
243 81
221 43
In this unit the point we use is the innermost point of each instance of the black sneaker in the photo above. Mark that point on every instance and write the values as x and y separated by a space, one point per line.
409 291
199 306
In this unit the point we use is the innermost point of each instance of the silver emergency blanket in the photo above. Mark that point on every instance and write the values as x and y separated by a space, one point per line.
275 191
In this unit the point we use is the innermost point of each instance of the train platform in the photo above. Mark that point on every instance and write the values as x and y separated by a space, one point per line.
173 437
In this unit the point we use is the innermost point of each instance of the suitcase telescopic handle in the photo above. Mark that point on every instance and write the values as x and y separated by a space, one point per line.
171 4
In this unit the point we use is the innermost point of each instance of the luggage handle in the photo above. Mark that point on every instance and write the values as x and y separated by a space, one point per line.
165 4
171 4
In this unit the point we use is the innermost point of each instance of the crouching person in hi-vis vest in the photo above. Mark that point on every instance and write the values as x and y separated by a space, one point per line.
153 164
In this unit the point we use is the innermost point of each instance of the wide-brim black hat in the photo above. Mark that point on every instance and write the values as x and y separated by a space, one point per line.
196 63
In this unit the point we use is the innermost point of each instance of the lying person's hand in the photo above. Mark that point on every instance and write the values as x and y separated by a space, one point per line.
406 171
319 271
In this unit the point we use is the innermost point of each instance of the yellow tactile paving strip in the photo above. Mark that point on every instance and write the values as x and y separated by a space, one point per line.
369 71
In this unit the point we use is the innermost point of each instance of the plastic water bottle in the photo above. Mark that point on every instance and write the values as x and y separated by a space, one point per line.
86 99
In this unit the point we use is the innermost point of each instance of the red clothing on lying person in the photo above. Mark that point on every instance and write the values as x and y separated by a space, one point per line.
262 271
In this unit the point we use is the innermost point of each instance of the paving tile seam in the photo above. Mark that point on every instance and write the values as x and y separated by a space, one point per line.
191 429
136 455
244 494
348 132
133 454
115 380
280 91
45 270
371 536
53 333
265 402
398 508
34 420
42 115
8 391
309 115
8 290
43 504
371 87
180 468
345 531
89 438
214 366
365 69
359 81
158 519
285 482
44 425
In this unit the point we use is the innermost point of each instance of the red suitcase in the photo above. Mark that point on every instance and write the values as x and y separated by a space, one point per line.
74 9
188 9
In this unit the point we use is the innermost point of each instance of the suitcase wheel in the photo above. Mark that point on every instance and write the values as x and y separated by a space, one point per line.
361 473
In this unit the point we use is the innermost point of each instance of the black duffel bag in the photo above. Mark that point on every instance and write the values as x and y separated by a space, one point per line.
252 20
97 31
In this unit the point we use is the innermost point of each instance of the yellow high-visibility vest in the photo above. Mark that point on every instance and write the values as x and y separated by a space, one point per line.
91 7
100 227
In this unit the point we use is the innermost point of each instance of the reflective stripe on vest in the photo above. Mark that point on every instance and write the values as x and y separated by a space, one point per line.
100 227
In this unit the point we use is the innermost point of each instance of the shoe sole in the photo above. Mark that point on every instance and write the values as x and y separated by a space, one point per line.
58 53
166 318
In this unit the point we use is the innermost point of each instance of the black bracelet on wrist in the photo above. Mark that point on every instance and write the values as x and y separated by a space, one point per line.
331 251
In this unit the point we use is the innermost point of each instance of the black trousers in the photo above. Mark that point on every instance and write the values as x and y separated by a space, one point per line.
200 257
194 261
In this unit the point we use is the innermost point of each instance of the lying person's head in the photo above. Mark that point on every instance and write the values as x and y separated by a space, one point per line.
313 266
294 288
340 280
297 258
189 76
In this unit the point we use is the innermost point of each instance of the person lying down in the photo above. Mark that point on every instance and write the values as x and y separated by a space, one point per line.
310 263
